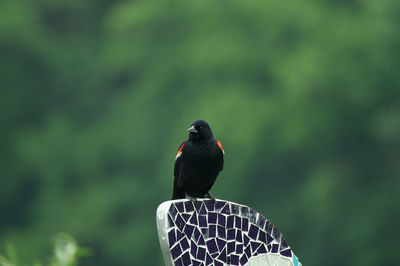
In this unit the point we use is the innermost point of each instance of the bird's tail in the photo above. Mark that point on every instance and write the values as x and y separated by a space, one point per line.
178 193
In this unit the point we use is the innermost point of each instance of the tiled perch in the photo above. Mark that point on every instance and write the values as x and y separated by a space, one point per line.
227 233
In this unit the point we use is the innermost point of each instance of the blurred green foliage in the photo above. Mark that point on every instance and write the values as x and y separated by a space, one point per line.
304 96
66 252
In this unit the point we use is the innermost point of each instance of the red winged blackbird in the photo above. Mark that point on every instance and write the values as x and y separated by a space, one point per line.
197 163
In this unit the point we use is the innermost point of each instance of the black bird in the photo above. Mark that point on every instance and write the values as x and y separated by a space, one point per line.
197 163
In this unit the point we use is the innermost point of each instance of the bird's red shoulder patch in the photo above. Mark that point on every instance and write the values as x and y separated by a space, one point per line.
180 150
220 145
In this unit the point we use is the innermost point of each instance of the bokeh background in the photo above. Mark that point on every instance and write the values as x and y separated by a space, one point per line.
96 97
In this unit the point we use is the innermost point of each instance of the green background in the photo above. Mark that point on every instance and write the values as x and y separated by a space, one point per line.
96 97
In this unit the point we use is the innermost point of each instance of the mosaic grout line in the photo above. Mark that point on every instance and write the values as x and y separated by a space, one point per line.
201 233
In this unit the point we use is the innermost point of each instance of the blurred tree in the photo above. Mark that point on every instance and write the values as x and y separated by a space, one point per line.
96 97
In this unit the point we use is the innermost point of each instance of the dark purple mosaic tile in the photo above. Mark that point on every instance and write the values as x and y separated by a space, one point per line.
170 221
219 205
197 205
229 221
245 224
246 240
222 255
217 263
254 246
243 259
201 241
212 246
204 232
196 263
186 258
193 219
239 237
189 206
178 262
231 233
221 243
226 210
173 211
185 216
210 205
221 232
234 259
230 247
179 235
209 259
196 234
184 244
221 220
212 218
276 234
202 220
269 239
253 232
180 223
262 250
176 251
193 249
275 248
213 237
212 230
203 210
247 250
239 249
171 237
238 222
179 206
262 236
201 253
286 253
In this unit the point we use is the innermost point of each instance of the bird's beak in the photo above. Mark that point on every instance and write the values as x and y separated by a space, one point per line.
192 129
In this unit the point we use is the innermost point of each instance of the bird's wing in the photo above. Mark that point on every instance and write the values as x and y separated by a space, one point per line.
221 155
177 191
220 146
179 153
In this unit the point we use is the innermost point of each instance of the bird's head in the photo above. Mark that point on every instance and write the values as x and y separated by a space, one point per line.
199 130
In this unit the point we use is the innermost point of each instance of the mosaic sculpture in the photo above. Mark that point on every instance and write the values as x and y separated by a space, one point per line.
198 232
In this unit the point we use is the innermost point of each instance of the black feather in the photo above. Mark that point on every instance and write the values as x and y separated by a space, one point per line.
199 163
